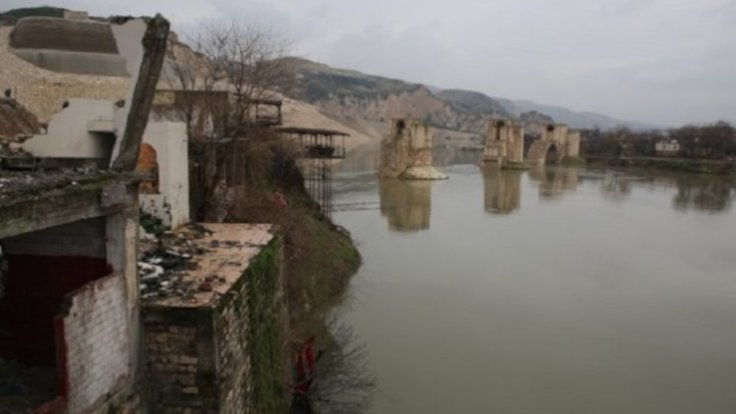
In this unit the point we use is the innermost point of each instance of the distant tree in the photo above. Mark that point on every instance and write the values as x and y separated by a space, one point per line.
717 139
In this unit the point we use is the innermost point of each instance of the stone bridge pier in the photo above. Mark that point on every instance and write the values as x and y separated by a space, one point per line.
406 152
504 143
556 143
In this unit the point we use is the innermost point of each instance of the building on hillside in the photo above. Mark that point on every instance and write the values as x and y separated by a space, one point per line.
667 148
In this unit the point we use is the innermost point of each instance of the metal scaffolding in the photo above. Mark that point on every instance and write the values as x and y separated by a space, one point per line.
317 150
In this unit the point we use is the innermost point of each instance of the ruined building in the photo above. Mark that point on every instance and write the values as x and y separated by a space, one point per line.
94 319
406 152
213 324
69 313
504 143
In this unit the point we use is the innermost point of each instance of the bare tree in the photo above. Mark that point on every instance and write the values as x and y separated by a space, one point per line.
233 55
227 68
344 383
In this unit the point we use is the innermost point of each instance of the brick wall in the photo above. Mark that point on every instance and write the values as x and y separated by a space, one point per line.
97 351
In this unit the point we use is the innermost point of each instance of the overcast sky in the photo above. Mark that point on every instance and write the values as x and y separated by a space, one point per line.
663 61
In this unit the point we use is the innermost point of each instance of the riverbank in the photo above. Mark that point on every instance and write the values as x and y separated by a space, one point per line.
700 166
319 260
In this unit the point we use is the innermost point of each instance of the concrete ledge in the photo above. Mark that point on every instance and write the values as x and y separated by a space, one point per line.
62 34
82 63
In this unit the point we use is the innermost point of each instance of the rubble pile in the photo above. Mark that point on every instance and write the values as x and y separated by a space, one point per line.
24 388
16 125
165 261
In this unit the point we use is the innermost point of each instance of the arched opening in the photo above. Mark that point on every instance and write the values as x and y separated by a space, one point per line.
400 126
552 156
499 125
550 128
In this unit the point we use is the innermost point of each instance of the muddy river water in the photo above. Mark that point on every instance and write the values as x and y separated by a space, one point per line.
554 291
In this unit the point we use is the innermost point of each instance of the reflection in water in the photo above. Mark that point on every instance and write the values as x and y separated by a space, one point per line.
364 158
554 182
553 308
407 204
502 190
703 193
615 186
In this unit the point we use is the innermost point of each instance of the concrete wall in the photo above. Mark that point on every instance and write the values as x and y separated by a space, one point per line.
83 238
82 63
75 15
69 136
97 345
62 34
90 128
128 38
171 205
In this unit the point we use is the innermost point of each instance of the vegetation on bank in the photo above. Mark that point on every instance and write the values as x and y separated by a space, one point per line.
266 341
715 141
668 164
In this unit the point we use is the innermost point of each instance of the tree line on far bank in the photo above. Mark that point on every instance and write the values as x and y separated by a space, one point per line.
710 141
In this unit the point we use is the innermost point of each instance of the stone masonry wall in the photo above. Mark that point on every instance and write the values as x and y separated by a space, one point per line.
199 360
232 328
180 366
408 145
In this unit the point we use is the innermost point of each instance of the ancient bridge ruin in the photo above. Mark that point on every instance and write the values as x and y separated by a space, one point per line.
505 145
556 143
406 152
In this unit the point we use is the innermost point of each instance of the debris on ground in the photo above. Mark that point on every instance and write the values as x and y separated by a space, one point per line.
24 388
165 260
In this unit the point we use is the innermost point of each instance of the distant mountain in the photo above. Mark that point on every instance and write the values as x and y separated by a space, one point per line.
579 120
367 102
357 98
472 102
317 81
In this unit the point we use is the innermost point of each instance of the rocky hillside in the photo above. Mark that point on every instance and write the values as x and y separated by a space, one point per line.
366 102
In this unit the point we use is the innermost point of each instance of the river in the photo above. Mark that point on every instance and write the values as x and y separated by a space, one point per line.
554 291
